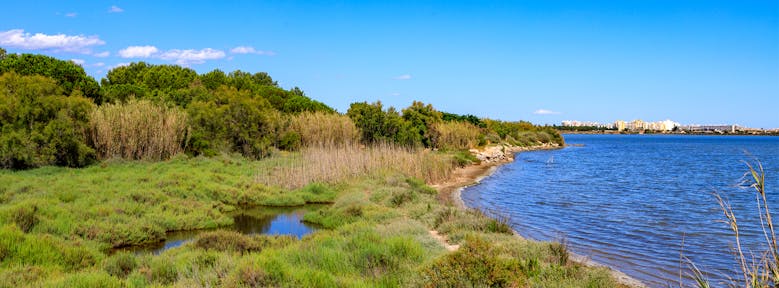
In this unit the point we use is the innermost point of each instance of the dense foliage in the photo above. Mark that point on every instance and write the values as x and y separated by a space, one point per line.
41 125
53 113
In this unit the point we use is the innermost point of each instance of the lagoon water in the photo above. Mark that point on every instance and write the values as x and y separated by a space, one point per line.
630 201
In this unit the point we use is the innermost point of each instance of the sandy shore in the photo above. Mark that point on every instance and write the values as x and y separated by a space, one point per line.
450 192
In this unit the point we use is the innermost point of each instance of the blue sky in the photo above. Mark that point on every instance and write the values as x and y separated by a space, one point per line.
702 62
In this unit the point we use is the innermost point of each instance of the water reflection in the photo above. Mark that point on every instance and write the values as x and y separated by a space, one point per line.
254 221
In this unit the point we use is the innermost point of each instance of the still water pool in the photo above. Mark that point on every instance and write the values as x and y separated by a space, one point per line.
258 220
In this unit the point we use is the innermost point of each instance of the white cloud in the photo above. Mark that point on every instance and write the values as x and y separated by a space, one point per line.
17 38
395 94
122 64
71 14
99 64
138 52
102 54
115 9
78 61
251 50
545 112
402 77
191 56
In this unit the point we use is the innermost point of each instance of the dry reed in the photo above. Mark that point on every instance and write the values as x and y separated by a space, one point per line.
324 129
759 270
137 130
457 135
331 164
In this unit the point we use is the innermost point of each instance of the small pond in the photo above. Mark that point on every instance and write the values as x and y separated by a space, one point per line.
259 220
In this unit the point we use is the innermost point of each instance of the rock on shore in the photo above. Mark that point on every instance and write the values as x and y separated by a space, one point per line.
505 152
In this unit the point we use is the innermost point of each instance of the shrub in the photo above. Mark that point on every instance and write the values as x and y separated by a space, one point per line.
222 240
120 264
24 217
475 264
163 271
464 158
398 198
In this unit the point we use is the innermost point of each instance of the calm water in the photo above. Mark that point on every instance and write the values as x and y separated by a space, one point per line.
263 220
628 200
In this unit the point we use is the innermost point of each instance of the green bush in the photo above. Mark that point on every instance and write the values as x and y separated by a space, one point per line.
222 240
476 264
163 271
120 264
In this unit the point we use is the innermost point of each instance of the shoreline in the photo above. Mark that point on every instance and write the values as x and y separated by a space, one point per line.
451 191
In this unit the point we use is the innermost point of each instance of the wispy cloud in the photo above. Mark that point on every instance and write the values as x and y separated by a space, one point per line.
78 61
395 94
117 65
115 9
102 54
251 50
402 77
17 38
138 51
545 112
71 14
99 64
179 56
191 56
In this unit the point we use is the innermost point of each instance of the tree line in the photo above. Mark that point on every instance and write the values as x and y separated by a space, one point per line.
53 113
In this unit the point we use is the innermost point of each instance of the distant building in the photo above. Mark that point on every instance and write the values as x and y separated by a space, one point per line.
620 125
713 128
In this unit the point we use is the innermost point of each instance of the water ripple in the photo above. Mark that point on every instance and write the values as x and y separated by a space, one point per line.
630 201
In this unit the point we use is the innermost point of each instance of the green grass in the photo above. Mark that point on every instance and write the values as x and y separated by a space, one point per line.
57 226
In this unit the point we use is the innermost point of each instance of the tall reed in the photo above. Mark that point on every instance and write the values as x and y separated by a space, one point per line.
457 135
137 130
757 269
324 129
338 163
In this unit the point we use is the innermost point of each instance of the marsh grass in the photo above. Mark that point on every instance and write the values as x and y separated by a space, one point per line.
138 130
332 164
374 234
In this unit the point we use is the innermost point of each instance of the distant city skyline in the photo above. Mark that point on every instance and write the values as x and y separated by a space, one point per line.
541 61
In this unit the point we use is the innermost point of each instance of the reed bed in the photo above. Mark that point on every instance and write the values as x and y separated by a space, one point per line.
331 164
137 130
457 135
324 129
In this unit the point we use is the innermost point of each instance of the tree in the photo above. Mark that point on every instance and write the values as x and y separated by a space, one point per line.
213 79
422 118
68 75
41 125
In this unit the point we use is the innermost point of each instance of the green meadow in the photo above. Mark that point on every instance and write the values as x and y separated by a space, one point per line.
59 227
